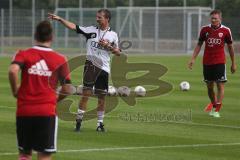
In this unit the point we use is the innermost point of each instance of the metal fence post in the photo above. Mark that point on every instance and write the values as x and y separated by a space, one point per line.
66 30
10 21
2 30
156 27
81 43
33 20
42 14
105 4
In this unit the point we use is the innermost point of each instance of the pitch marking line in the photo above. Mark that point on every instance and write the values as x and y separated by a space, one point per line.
136 148
184 123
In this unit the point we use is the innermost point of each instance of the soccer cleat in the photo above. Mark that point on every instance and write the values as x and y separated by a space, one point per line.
216 115
78 125
100 127
209 107
211 113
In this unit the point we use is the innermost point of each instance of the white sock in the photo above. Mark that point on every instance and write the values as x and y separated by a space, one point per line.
80 114
100 116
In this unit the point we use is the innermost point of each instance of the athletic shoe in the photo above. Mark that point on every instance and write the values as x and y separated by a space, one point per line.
211 113
78 125
209 107
216 115
100 127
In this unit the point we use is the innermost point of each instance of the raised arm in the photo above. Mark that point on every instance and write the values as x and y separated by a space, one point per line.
66 23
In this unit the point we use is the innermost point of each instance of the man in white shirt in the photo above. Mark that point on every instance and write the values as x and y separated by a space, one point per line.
100 41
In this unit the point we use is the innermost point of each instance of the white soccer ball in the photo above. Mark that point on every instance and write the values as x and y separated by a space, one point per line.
124 91
80 89
184 86
58 90
73 90
112 91
140 91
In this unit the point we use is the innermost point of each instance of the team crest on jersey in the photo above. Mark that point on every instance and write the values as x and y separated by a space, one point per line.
220 35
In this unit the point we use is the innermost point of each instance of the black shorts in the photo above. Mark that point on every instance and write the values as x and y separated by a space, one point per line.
95 77
215 73
37 133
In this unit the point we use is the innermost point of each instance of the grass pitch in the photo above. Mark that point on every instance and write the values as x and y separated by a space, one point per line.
199 137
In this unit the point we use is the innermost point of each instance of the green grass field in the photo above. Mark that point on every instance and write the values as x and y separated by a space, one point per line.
202 138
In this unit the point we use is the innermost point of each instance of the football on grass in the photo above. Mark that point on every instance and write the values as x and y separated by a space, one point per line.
124 91
140 91
112 91
184 86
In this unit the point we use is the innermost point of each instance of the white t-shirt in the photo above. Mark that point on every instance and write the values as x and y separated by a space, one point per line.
96 53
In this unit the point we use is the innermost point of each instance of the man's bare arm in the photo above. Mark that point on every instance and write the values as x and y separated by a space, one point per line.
64 92
13 78
232 57
66 23
194 56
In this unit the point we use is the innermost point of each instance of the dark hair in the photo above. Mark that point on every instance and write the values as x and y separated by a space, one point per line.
107 13
216 11
43 32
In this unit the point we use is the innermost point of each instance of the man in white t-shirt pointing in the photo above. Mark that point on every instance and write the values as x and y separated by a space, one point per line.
100 41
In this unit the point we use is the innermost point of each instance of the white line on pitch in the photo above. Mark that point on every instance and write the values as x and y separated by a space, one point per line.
184 123
203 124
136 148
7 107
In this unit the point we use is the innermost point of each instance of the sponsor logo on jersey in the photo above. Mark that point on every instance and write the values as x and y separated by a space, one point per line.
214 41
40 68
97 45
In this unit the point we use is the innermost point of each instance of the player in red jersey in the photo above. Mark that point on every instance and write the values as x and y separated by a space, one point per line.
215 35
41 70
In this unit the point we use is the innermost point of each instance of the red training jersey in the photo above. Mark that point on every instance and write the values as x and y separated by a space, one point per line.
215 39
42 69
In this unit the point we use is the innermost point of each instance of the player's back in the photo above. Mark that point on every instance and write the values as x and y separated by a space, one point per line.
41 69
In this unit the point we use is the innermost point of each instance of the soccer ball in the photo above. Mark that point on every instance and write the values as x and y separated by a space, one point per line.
112 91
124 91
58 90
73 90
140 91
184 86
80 89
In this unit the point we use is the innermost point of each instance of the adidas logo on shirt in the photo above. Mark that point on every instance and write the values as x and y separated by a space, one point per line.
40 68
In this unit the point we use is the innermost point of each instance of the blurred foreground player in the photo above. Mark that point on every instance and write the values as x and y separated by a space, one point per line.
41 70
